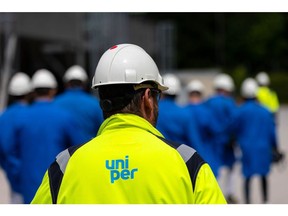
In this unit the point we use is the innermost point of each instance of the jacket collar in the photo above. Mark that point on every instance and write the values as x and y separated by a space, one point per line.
121 121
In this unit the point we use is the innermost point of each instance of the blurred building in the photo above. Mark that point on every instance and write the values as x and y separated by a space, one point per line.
30 41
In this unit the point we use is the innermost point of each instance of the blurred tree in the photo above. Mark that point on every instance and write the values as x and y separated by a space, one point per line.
241 44
256 40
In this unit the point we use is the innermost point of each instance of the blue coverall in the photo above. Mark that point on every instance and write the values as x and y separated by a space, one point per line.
255 132
47 130
223 109
11 121
84 107
209 130
176 124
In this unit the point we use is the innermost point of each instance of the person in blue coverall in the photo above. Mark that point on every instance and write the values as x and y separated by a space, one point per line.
207 127
223 107
254 128
174 121
84 106
19 90
46 130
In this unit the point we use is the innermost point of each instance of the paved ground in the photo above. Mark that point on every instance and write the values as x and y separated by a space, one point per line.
278 190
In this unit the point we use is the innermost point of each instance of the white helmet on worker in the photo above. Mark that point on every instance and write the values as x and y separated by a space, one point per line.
75 72
263 78
195 86
224 81
126 64
173 83
20 84
43 79
249 88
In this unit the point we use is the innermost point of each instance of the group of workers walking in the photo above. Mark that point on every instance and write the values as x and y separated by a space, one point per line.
134 144
39 124
224 131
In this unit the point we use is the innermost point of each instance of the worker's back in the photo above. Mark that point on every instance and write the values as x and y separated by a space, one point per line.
47 131
268 98
176 123
130 165
208 131
256 135
84 107
223 109
11 121
171 121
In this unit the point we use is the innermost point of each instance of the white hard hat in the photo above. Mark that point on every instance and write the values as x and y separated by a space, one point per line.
126 64
20 84
173 83
75 72
43 79
249 88
263 78
224 81
195 85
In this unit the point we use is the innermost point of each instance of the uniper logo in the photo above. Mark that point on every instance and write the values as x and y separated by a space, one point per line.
120 169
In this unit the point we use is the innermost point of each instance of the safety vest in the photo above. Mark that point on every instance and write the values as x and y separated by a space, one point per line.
129 162
268 98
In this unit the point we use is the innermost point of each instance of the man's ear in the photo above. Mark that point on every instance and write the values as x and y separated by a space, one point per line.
147 105
148 99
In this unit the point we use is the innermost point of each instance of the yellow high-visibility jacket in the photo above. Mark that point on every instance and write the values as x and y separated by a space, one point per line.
268 98
129 162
